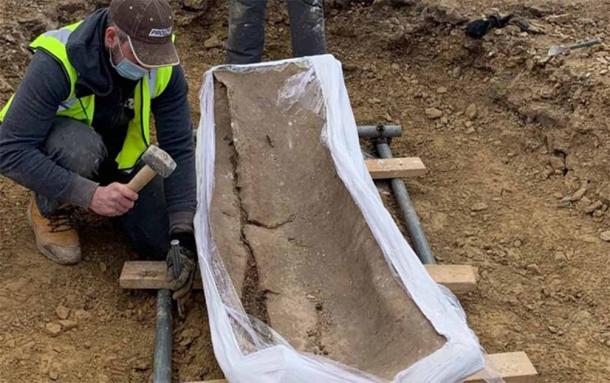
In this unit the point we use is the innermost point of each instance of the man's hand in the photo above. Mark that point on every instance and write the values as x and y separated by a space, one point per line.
113 200
181 284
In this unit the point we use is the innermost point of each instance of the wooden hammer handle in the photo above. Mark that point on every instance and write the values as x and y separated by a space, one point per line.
141 179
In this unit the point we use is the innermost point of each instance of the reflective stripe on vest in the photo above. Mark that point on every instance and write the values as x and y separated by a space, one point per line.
82 109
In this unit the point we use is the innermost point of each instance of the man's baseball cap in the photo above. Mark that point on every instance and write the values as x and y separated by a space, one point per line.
149 25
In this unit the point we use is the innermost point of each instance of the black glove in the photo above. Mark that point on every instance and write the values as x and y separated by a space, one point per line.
479 28
182 283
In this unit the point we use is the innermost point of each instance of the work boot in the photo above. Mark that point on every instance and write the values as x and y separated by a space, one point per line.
56 236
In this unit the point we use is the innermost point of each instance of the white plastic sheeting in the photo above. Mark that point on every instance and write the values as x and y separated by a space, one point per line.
248 350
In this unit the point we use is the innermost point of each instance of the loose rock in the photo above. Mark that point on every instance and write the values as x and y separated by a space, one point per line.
594 206
212 42
577 196
557 163
479 206
604 193
590 238
5 87
81 315
433 113
195 5
534 268
190 333
53 328
605 236
186 342
68 324
62 312
471 111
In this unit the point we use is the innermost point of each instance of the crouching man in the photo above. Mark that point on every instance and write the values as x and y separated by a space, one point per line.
74 132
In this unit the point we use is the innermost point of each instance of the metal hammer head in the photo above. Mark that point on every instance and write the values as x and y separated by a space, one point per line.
159 161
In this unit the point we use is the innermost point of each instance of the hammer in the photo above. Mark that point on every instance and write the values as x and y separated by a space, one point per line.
156 161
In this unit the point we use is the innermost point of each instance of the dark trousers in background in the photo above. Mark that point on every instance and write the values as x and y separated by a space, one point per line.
77 147
247 29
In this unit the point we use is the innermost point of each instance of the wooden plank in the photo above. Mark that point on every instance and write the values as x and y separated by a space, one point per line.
460 279
147 275
151 275
513 367
396 167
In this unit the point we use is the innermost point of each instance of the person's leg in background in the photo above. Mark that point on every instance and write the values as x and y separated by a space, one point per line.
72 145
246 39
307 27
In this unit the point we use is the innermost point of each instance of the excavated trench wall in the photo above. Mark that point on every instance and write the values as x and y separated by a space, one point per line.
295 244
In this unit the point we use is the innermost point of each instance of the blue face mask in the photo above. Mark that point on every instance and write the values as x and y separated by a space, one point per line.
127 69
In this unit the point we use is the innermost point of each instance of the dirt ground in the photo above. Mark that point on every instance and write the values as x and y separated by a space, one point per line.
519 186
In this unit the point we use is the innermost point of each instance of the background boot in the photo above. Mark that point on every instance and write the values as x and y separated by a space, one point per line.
56 236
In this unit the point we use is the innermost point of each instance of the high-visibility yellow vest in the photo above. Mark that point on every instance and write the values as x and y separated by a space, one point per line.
82 109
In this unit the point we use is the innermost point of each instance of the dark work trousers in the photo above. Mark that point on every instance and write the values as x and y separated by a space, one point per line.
247 29
77 147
